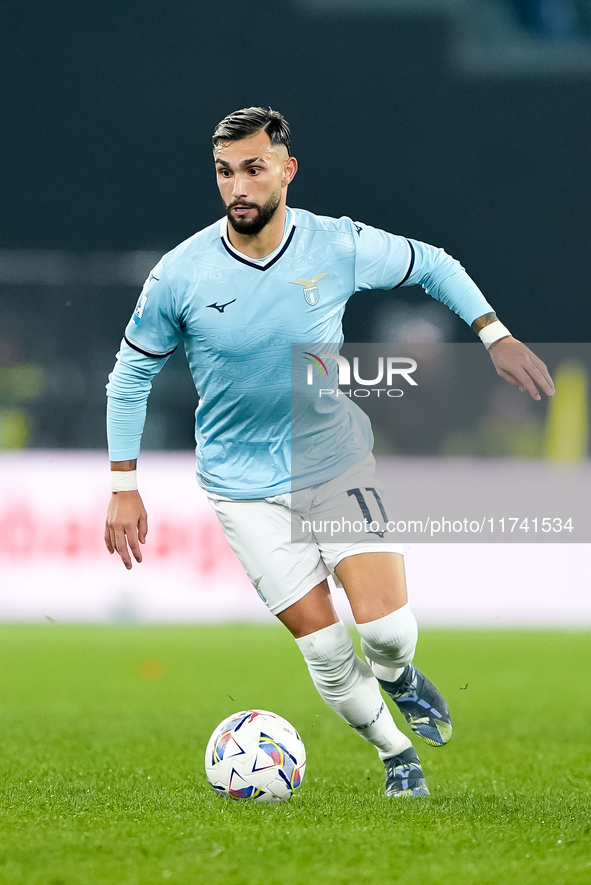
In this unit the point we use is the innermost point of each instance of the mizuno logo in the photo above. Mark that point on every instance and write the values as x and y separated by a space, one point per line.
220 307
152 277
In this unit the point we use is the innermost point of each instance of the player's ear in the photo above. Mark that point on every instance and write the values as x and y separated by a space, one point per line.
289 170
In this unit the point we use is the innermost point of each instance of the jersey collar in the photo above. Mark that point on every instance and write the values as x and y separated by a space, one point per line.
269 260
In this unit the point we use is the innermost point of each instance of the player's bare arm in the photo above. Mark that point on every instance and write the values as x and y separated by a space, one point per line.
516 363
127 521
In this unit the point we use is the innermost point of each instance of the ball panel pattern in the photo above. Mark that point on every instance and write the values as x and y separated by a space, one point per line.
256 755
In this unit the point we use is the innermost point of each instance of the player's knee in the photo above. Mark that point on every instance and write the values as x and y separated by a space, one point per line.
391 640
329 654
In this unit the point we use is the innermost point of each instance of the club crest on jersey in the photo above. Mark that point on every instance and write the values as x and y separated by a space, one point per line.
311 293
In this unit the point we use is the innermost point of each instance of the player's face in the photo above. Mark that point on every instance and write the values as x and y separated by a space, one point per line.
252 176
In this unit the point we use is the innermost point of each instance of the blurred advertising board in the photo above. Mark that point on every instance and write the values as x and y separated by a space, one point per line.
54 565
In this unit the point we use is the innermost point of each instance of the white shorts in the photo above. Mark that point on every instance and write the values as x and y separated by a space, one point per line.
261 533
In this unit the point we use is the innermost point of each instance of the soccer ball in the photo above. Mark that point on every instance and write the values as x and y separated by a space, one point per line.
255 755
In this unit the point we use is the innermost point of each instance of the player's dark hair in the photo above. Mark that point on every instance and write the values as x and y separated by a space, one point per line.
249 121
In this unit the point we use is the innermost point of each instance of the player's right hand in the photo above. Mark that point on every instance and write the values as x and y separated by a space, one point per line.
127 526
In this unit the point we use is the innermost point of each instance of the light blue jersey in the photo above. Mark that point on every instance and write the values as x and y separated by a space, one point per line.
238 319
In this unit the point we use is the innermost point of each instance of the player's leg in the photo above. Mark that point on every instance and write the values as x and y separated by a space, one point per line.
342 679
313 612
291 580
375 585
371 569
349 687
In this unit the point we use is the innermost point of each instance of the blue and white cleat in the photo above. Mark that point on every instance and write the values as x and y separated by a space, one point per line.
422 705
404 775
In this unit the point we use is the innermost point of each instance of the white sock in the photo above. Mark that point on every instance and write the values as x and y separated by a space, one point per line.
389 643
350 689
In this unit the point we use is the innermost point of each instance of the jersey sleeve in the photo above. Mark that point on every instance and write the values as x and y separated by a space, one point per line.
129 385
444 278
151 336
154 328
387 261
382 260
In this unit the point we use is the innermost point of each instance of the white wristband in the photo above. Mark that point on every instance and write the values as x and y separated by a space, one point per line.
123 480
492 333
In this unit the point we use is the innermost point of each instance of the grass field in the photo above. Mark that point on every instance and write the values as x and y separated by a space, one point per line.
103 732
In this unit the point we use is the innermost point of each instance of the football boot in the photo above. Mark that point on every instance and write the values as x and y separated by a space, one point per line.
404 775
422 705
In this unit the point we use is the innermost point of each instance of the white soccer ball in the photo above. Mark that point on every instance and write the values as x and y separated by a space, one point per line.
255 755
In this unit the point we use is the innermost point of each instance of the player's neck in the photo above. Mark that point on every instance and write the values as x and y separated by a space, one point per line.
262 244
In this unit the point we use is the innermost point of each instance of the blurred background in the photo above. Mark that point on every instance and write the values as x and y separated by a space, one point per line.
463 123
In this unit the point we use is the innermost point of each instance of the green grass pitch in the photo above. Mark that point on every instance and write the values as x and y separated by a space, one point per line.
103 731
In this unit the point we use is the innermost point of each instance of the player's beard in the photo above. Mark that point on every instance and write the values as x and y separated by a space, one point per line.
253 226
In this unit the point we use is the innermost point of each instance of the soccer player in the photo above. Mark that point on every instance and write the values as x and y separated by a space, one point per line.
238 294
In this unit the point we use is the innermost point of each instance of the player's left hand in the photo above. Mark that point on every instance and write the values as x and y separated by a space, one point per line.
518 365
